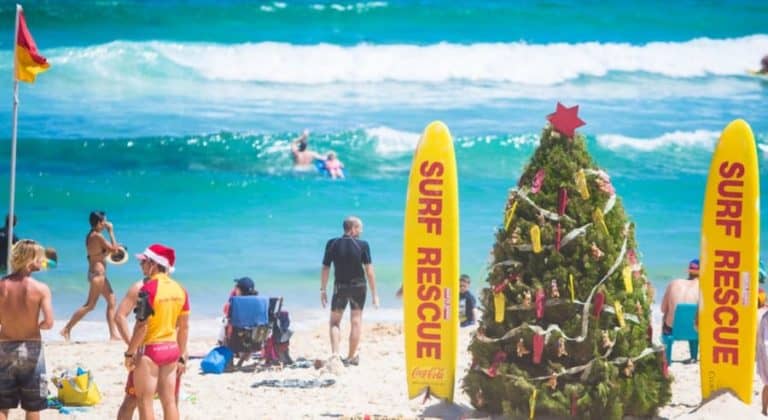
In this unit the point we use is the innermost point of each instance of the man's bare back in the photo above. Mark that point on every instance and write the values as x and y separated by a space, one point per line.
678 291
22 300
303 157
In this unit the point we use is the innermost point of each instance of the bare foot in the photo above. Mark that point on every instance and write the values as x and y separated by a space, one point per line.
115 338
65 333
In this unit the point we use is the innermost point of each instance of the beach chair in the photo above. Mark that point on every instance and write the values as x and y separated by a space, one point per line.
250 323
684 328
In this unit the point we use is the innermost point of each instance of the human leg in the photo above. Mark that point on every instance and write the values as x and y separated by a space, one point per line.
109 296
693 346
335 331
32 379
145 379
9 392
765 400
127 407
166 387
357 297
129 404
356 325
96 284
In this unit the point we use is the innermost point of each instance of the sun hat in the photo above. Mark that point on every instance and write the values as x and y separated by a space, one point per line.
161 255
118 257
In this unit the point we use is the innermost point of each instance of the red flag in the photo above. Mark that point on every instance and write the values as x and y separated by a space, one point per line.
29 62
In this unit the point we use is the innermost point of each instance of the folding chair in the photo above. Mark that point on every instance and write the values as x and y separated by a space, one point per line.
684 328
248 325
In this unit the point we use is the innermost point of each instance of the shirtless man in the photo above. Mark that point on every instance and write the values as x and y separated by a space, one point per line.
681 291
302 157
22 364
97 248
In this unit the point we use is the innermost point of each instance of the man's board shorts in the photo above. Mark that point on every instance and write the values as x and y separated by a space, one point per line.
353 293
22 375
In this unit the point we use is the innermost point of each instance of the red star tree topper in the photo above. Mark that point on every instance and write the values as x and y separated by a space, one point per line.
565 120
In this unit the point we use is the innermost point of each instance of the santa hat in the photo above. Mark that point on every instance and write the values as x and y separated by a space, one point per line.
161 255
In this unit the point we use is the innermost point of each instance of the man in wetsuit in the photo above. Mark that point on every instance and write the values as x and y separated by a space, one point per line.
351 259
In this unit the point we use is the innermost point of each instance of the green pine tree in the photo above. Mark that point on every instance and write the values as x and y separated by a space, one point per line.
590 366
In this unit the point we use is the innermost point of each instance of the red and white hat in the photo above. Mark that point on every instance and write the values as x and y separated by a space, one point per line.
161 255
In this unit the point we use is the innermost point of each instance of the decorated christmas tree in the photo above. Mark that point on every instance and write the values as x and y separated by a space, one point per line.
567 324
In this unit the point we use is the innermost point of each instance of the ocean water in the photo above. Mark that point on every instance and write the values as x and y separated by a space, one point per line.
175 118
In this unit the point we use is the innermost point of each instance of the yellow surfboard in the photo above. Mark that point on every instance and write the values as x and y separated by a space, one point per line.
431 266
730 237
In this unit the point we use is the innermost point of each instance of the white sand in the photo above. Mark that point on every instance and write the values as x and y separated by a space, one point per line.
375 388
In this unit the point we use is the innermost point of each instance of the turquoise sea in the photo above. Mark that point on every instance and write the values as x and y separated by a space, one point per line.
175 118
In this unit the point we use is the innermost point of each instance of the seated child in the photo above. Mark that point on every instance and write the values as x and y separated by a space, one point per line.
334 166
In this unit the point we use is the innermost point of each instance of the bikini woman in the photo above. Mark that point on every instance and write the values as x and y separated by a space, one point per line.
97 248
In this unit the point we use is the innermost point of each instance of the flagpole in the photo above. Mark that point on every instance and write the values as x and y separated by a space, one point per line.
9 220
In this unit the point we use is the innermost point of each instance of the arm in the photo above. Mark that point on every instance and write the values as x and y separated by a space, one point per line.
111 232
372 283
139 332
47 307
324 273
124 309
665 305
102 243
182 336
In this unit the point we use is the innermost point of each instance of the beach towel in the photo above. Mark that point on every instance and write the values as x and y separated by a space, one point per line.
294 383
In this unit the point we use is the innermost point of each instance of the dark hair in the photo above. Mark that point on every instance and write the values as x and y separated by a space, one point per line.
96 217
465 277
8 217
302 145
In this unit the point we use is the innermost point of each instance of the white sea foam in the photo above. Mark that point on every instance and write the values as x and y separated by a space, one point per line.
518 62
681 139
390 141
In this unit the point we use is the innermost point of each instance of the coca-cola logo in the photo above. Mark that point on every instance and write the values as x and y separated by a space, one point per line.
430 373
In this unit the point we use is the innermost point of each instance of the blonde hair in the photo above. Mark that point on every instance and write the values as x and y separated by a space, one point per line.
25 252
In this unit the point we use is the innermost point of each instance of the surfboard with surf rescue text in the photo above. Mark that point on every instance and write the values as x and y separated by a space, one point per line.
431 266
730 238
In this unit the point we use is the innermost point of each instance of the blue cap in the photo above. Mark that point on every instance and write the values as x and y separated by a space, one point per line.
245 284
761 273
693 266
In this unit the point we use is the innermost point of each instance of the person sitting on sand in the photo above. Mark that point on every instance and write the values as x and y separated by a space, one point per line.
334 166
22 302
681 291
303 157
244 286
97 249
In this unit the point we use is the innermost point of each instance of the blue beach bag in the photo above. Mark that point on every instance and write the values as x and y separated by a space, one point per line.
216 360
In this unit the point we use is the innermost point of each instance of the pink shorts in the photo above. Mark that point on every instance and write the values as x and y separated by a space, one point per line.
163 353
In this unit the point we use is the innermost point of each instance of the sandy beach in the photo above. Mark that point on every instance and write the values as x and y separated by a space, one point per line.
375 388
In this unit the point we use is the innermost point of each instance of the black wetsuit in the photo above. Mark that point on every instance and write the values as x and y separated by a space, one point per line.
348 256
